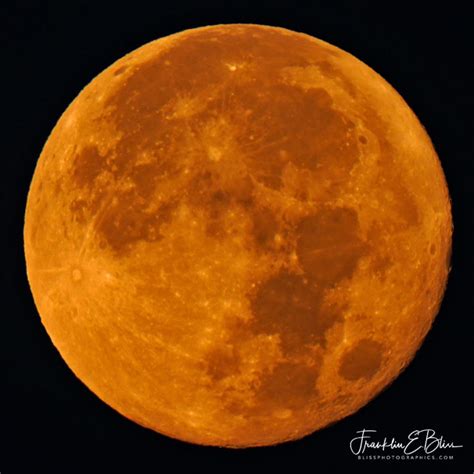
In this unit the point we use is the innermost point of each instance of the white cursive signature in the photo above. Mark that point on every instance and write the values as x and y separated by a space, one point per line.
418 440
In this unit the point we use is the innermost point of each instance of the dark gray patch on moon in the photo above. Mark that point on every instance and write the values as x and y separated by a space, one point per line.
328 245
363 360
287 305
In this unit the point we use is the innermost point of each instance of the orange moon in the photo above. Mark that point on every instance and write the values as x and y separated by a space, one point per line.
238 234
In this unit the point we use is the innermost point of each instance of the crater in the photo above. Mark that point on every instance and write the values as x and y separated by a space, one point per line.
328 245
120 70
286 304
362 361
76 275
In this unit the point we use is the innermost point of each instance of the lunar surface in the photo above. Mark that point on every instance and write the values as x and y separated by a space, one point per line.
236 235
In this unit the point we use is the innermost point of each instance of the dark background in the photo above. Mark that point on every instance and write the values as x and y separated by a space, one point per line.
49 420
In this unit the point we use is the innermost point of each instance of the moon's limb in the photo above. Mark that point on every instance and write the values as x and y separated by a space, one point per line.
237 235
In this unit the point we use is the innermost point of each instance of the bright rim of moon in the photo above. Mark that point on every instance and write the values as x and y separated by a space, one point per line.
238 234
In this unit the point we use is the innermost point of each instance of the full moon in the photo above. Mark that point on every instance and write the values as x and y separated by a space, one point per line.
237 235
